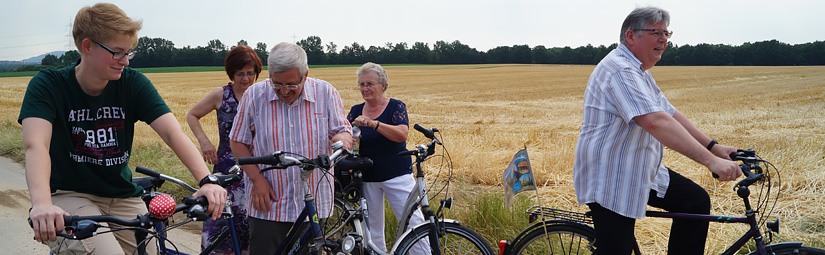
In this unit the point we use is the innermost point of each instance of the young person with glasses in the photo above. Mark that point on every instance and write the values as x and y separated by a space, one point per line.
78 128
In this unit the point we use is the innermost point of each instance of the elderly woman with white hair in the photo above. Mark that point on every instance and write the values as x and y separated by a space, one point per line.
384 126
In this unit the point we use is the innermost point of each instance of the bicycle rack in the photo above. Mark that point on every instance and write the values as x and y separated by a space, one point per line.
536 212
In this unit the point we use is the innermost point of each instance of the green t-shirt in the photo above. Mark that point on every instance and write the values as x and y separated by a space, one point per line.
92 135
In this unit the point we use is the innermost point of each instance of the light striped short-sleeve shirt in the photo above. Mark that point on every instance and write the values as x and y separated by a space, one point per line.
305 127
617 162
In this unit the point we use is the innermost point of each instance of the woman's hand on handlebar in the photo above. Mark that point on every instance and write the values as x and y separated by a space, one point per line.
46 221
216 196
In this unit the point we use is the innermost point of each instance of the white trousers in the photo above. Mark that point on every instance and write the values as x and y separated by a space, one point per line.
397 190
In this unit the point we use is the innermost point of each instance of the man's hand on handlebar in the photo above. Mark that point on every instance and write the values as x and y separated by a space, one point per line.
723 151
46 221
727 170
216 196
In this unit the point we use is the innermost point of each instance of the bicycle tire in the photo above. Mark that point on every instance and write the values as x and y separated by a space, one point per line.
334 226
457 239
803 250
559 238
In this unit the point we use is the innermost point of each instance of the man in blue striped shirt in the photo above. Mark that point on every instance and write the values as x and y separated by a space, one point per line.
626 121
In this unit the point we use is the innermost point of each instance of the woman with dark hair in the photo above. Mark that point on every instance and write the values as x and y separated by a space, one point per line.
243 67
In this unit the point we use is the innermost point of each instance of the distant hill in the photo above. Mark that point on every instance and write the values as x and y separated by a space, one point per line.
9 65
38 59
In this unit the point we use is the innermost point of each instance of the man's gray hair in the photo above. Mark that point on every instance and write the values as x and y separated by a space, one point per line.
641 17
286 56
375 68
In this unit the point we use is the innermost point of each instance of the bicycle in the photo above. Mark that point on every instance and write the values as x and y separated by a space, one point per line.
305 236
155 179
442 236
151 225
564 232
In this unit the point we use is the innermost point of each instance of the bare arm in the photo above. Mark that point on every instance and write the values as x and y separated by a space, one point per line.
209 103
674 135
396 133
46 218
169 130
262 194
719 150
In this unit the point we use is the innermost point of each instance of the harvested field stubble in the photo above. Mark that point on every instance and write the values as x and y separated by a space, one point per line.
487 112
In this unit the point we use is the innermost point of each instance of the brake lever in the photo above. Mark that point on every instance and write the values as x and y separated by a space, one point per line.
272 167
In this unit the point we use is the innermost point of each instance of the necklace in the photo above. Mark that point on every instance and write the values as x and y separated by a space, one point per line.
374 112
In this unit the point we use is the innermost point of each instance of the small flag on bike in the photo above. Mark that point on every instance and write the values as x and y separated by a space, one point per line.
518 177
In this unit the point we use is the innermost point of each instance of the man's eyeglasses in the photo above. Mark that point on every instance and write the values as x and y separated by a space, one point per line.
247 74
117 55
287 86
657 32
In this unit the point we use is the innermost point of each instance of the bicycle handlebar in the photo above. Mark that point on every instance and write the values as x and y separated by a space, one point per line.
155 174
747 156
82 227
423 150
429 133
750 161
280 160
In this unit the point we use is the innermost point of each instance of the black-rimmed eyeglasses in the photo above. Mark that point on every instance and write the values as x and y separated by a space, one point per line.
117 55
657 32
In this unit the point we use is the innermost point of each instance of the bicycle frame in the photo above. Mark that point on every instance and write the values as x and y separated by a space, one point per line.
410 207
418 193
312 233
752 233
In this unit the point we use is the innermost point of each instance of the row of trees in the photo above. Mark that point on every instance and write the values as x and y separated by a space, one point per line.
159 52
52 61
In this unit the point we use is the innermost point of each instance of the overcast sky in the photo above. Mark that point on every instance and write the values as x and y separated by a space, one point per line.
32 27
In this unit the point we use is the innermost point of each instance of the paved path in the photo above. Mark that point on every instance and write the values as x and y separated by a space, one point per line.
16 237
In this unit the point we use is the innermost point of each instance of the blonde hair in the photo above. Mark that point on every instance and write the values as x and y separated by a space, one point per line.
102 22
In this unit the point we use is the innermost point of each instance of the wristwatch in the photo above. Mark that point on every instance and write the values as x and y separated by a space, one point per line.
209 179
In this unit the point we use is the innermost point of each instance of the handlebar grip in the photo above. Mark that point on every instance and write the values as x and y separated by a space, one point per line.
406 153
427 132
267 159
190 200
147 171
195 208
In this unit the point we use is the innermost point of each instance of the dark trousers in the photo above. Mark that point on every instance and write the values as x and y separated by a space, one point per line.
614 233
265 236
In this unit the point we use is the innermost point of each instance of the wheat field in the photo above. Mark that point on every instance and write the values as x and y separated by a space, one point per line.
488 112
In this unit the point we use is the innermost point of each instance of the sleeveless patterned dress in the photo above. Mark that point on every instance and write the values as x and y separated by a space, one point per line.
211 229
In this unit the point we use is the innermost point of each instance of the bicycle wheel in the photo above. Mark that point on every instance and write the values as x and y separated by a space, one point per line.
457 239
336 226
559 238
804 250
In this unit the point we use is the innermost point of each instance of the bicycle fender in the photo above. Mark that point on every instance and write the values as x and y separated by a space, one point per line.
410 229
541 224
779 246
